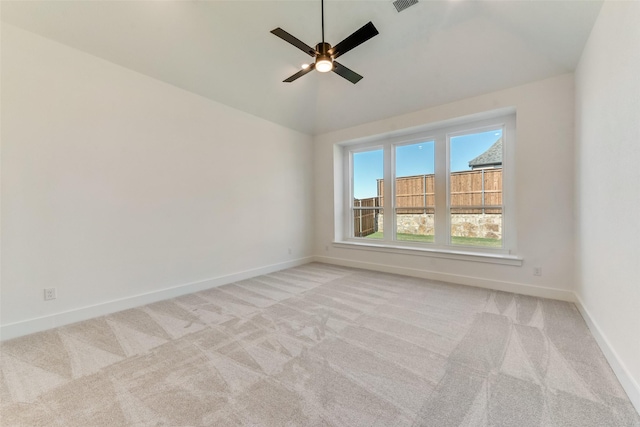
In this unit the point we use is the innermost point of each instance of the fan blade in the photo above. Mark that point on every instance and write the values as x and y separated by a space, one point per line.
294 41
300 73
357 38
343 71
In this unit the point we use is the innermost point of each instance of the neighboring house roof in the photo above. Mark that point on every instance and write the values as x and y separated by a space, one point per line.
491 157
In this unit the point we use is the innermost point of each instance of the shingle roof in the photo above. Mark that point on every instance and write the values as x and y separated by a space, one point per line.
491 157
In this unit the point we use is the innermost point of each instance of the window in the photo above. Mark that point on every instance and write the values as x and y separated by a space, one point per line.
475 188
442 188
367 205
415 191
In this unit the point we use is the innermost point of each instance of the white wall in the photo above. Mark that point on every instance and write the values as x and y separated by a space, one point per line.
544 182
608 187
115 185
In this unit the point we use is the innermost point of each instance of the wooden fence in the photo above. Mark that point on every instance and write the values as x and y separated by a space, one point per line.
365 220
472 192
476 191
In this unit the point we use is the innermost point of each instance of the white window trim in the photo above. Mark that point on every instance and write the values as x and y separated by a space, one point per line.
440 133
486 257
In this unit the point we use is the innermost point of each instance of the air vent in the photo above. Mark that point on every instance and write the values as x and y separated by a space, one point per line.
403 4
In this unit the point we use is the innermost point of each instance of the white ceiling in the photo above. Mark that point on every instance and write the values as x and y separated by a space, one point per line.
430 54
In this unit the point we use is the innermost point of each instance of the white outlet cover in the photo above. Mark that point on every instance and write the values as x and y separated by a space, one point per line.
49 294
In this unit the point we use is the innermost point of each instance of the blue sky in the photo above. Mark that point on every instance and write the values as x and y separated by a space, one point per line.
417 159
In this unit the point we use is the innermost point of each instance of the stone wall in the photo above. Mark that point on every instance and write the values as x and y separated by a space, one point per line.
477 225
464 225
416 224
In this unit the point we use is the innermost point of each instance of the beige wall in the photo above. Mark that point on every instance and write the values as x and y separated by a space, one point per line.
608 187
118 189
544 172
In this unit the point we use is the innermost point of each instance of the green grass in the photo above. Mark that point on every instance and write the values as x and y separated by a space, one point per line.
467 241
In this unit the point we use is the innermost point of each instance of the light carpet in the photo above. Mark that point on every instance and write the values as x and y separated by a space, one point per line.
319 345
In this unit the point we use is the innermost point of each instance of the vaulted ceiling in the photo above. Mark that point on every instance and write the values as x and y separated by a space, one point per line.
432 53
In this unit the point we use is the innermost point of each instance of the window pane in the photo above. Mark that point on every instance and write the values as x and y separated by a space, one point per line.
415 192
476 189
367 223
368 169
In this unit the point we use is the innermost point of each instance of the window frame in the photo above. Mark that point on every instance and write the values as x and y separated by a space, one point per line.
350 207
441 134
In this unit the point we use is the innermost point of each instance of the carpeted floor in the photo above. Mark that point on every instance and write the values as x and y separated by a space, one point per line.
319 345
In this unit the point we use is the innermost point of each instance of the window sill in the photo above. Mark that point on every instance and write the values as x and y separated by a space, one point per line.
485 257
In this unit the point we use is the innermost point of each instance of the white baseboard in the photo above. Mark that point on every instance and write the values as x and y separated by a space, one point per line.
39 324
627 381
520 288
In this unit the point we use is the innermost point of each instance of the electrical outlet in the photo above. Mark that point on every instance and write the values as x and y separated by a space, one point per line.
49 293
537 271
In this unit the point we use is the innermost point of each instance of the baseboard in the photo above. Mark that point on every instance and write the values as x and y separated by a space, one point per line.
519 288
39 324
630 385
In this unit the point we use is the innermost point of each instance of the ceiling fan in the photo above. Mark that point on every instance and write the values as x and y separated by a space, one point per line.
325 55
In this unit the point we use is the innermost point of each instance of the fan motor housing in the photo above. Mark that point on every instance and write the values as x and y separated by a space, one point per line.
324 60
324 49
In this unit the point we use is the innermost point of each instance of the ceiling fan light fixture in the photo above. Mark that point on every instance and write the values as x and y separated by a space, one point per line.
324 54
324 64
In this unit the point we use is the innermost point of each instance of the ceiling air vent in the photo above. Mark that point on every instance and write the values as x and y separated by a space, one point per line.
403 4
